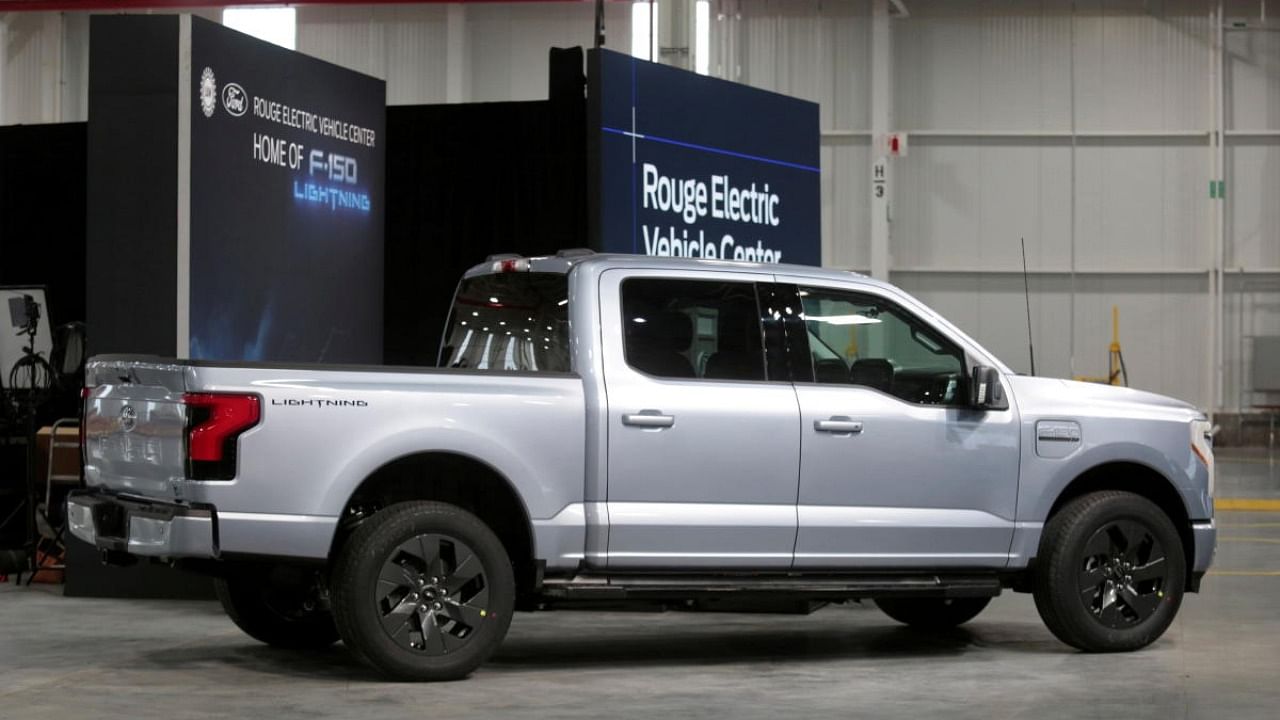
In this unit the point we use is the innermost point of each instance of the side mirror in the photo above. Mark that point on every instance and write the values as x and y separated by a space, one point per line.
985 390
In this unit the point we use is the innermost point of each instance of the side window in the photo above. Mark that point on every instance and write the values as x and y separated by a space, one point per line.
692 329
864 340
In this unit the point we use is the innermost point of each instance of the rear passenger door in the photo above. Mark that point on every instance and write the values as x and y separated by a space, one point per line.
704 448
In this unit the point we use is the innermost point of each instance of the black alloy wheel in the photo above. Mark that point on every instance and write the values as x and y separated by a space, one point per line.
1123 576
1110 572
432 594
423 591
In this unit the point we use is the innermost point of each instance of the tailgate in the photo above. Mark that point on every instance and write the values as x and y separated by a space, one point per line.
134 422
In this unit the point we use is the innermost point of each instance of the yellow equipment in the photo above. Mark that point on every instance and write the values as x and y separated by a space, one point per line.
1117 374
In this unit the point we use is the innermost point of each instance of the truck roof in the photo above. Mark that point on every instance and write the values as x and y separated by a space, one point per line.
566 260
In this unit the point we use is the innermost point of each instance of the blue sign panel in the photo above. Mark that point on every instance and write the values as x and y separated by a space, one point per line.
692 166
287 172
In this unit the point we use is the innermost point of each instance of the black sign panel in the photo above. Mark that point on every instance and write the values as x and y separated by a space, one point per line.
692 166
286 205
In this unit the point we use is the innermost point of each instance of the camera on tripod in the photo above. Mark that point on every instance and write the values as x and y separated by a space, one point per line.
24 314
29 372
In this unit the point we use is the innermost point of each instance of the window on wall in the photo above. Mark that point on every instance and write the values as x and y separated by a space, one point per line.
702 37
644 30
863 340
277 25
693 329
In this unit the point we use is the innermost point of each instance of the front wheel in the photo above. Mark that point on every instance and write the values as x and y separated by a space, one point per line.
1110 572
423 591
933 613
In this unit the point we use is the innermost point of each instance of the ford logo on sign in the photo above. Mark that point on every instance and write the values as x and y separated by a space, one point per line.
234 99
128 418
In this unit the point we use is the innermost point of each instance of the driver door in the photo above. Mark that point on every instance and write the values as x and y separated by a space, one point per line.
896 471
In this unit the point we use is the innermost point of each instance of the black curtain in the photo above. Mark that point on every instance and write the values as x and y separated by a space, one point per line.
465 182
42 231
42 213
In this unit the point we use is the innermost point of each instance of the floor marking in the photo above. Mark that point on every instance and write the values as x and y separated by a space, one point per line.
1246 460
1246 573
1248 504
1250 539
1250 525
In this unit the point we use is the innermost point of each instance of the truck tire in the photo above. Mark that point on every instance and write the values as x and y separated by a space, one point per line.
423 591
933 613
280 606
1110 572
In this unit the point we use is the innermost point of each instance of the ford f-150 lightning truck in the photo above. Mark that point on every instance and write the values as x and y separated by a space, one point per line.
611 430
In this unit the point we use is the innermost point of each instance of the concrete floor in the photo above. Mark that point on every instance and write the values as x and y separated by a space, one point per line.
80 658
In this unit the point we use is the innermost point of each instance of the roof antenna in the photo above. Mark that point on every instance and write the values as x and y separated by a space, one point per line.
1026 289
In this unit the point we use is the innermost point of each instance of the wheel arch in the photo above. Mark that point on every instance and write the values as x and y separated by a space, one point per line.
1141 480
455 478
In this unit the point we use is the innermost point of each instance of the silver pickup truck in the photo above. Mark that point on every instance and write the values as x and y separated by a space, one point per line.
611 430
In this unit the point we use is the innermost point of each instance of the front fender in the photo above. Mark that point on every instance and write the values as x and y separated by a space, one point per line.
1043 480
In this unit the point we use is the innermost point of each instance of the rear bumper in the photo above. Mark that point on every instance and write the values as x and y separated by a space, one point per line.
155 528
142 527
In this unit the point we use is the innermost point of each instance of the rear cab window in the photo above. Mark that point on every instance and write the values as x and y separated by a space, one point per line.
692 329
509 322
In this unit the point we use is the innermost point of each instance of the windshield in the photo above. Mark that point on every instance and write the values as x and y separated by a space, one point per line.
509 322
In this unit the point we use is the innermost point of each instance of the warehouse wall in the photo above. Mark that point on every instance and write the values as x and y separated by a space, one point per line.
499 51
1006 103
1252 304
1082 126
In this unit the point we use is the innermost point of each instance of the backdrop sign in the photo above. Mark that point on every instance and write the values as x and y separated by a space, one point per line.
286 206
692 166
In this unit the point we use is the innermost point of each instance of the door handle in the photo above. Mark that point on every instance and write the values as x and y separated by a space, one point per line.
649 419
838 424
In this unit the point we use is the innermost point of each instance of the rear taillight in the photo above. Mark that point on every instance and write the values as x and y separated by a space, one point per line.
215 422
511 265
84 422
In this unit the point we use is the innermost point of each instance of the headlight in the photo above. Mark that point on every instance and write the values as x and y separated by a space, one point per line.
1202 446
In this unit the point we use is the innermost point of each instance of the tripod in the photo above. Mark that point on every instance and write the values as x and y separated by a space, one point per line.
33 371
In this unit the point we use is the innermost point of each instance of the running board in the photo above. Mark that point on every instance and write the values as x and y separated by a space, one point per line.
822 587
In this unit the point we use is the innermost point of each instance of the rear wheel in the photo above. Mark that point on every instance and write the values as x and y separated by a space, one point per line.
933 613
1110 572
423 591
281 606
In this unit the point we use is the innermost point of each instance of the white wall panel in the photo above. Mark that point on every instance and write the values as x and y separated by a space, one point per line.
32 48
1163 323
964 203
991 66
505 45
846 185
1253 197
818 51
1142 204
1142 65
1252 300
403 44
508 43
1253 69
1252 310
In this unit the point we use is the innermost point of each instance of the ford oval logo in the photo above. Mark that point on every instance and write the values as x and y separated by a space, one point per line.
128 418
234 99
